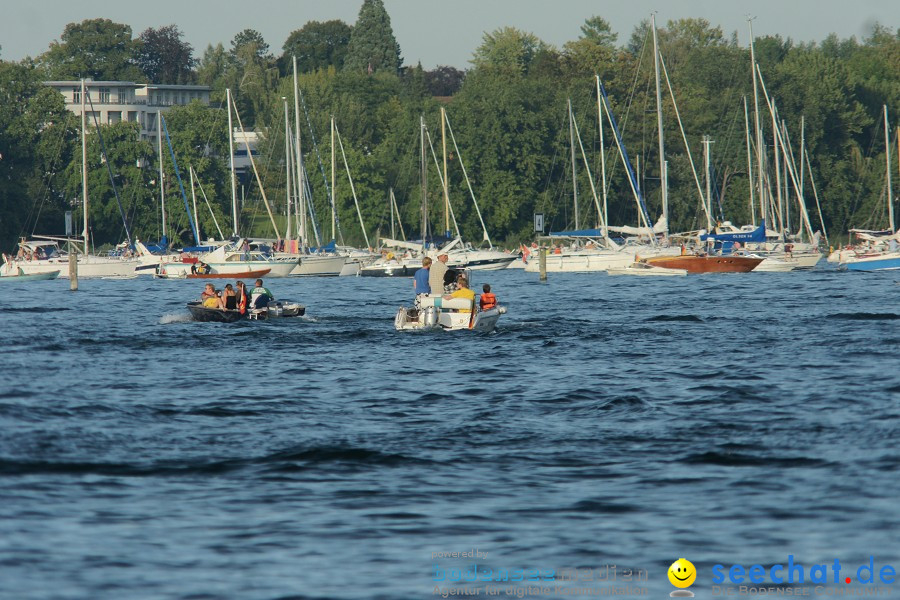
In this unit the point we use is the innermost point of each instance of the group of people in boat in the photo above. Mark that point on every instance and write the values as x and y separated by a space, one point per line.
236 297
435 277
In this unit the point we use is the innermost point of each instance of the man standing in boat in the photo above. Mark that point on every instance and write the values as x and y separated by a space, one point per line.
436 274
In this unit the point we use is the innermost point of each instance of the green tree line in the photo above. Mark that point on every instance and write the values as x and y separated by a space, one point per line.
507 110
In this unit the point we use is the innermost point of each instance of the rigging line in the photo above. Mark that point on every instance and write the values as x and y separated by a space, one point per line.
209 206
109 170
312 135
46 194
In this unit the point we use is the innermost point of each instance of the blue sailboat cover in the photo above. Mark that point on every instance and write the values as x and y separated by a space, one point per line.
758 235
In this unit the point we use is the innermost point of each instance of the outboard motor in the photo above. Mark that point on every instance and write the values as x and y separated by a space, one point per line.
431 316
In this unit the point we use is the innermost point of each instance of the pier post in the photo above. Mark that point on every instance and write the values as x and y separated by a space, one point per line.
73 269
543 263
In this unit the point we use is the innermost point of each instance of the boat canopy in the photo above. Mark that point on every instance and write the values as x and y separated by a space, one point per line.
758 235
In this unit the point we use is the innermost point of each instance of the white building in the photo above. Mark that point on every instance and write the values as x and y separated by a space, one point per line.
114 101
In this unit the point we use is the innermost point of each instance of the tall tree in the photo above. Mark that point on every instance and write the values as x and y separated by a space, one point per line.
95 48
250 38
37 138
510 49
164 57
372 44
317 45
444 80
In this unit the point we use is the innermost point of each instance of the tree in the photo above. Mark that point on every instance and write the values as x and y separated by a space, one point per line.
37 140
509 49
317 45
164 57
250 38
95 48
213 65
598 30
444 80
372 44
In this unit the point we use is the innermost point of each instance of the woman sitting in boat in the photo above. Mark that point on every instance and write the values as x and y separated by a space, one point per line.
462 291
229 297
210 297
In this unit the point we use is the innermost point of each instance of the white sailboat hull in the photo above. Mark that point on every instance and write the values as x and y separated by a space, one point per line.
89 267
319 266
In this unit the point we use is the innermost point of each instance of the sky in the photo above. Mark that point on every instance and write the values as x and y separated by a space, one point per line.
437 32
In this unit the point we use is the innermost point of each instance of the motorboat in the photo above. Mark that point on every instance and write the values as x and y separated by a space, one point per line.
234 259
697 263
274 309
646 269
435 313
34 277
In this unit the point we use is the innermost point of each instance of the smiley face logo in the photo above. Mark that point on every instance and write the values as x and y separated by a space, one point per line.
682 573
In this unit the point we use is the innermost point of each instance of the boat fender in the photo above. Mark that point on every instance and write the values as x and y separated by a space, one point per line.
431 316
501 310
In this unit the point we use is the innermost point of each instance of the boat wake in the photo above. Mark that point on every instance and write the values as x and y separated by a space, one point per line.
174 318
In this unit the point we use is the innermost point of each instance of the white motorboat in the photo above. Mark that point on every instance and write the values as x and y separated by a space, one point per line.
646 269
231 258
434 313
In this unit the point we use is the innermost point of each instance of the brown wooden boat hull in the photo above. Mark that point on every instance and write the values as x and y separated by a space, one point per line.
242 275
707 264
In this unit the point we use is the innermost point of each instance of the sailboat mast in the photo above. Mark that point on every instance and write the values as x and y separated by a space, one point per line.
602 158
287 169
234 205
706 142
424 172
162 187
574 176
333 199
663 167
299 158
778 196
84 178
445 182
887 158
194 198
749 162
760 159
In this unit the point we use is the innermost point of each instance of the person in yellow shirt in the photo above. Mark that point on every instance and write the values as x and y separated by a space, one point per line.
463 291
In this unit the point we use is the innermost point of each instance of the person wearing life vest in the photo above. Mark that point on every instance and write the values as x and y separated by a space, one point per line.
487 300
242 298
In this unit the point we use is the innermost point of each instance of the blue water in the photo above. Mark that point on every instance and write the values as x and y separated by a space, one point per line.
608 421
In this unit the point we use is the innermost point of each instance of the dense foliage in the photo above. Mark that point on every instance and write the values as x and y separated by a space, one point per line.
508 113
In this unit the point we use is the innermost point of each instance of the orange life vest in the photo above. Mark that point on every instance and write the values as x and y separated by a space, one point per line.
488 301
242 303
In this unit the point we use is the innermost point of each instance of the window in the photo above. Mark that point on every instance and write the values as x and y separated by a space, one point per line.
104 95
123 96
76 95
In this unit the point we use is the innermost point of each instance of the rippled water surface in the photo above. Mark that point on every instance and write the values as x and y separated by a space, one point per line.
608 421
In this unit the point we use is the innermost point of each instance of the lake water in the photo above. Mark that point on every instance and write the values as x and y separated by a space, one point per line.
727 419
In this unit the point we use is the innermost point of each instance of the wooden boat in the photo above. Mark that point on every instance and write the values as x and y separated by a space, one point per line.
244 275
706 264
33 277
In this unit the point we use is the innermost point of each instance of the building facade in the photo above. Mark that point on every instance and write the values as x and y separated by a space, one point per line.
111 102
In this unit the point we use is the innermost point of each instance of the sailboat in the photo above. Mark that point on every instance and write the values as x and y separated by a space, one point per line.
45 253
883 252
